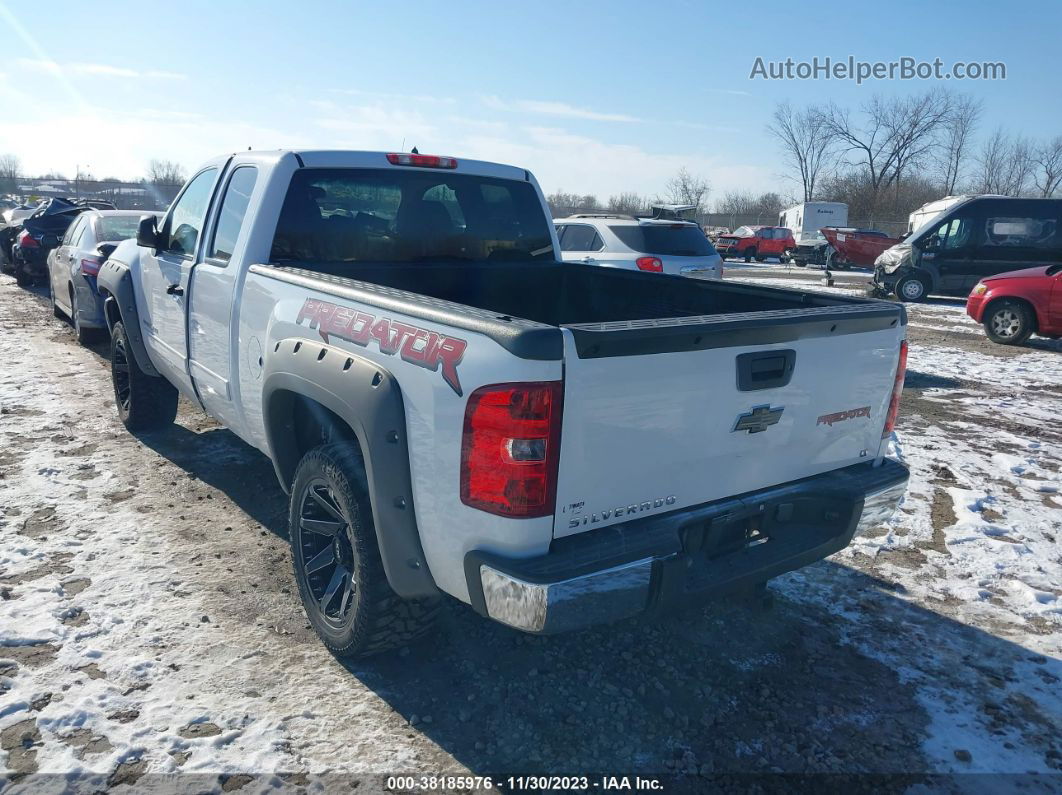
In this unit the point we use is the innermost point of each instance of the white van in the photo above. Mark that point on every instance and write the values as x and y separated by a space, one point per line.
805 220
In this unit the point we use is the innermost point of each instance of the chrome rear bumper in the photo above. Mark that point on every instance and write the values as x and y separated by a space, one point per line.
668 562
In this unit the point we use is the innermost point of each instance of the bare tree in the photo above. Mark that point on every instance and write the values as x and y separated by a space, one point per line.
806 140
1005 165
956 137
891 137
628 203
165 172
1048 162
745 203
561 203
685 188
10 173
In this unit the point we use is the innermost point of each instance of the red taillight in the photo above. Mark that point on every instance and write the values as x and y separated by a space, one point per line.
90 266
897 388
424 161
510 448
649 264
26 240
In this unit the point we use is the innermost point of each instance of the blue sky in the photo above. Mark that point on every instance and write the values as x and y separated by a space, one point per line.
592 97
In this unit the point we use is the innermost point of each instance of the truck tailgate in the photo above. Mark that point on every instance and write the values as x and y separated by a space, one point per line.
666 414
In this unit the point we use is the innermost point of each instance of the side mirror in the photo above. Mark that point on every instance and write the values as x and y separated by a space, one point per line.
147 232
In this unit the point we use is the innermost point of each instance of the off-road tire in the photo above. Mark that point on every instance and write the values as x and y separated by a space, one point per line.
907 289
1009 322
145 402
370 618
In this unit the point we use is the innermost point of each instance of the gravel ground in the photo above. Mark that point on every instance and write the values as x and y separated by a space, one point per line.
173 643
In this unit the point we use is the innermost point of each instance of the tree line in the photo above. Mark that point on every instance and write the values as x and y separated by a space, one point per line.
158 172
892 154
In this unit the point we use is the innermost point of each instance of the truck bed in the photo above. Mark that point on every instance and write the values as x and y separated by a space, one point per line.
609 311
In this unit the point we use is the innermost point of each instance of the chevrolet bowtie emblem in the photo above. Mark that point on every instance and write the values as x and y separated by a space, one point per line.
759 419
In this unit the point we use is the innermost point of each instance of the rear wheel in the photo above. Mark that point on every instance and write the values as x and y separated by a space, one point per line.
337 563
912 288
1008 323
145 402
21 277
85 336
56 311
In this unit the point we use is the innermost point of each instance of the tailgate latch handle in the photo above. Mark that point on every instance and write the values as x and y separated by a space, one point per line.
765 369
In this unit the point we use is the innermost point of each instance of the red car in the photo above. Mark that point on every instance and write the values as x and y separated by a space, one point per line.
1013 306
756 242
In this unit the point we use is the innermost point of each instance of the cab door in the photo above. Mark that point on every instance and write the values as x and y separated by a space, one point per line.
166 274
211 337
948 251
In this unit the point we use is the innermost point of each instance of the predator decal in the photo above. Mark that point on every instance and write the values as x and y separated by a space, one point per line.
424 348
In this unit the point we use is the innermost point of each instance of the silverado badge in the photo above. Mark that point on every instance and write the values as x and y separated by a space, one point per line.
759 419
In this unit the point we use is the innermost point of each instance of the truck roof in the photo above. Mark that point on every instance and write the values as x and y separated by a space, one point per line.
352 158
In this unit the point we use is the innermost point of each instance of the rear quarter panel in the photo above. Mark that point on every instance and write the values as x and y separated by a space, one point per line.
273 311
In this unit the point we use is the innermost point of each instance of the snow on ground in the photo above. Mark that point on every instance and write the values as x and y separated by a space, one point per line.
148 623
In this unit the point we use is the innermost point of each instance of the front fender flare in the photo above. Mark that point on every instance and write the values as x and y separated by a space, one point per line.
116 279
368 399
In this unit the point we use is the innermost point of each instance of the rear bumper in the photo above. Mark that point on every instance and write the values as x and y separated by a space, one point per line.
666 563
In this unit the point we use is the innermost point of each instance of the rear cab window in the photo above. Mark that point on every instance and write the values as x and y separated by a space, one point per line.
234 205
676 240
367 215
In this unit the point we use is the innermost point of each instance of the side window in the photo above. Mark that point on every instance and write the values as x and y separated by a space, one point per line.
85 225
581 237
233 209
1033 236
560 234
958 234
74 230
186 218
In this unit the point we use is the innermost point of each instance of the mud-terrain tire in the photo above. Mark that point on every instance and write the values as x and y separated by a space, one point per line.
336 559
1009 322
145 402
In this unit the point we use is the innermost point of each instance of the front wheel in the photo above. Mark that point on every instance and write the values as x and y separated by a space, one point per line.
912 289
337 563
750 254
145 402
1008 323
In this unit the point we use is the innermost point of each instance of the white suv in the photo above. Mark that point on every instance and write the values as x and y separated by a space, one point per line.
679 248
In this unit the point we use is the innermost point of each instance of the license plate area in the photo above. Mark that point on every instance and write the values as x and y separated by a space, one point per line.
757 528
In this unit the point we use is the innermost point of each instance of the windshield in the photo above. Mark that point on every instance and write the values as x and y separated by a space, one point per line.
117 227
397 215
678 240
744 231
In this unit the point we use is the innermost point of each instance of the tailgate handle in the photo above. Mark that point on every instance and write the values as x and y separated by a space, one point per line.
765 370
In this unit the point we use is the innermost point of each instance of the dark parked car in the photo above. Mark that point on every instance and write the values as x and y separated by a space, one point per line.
970 241
39 234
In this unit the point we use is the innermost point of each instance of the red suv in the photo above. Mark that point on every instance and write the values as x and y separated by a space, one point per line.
756 242
1013 306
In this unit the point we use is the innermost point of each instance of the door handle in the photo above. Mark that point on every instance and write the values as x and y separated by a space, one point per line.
175 289
588 259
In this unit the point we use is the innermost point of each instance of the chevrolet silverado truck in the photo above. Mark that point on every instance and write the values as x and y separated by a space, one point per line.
453 410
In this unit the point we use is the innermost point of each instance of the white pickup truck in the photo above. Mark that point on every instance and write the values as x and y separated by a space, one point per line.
453 411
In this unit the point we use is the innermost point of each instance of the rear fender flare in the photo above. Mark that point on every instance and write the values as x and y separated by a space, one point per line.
369 400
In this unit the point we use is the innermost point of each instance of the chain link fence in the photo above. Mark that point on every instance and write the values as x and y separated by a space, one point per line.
123 195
